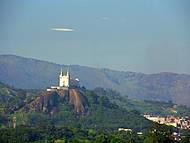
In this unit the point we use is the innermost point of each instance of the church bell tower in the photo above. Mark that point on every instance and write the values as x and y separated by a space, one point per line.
64 80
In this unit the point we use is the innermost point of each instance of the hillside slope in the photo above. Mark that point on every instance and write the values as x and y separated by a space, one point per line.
18 97
78 108
144 106
30 73
49 101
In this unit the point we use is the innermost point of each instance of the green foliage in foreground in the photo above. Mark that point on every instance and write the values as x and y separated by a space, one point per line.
60 134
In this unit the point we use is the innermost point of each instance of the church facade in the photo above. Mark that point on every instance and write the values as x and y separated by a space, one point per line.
65 82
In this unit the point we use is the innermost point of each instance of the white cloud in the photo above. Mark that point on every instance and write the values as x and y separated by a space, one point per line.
63 29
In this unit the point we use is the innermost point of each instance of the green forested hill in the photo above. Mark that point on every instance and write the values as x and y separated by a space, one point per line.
101 113
107 111
144 106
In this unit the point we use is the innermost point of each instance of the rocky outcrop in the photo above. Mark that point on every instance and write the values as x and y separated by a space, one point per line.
78 100
46 102
49 101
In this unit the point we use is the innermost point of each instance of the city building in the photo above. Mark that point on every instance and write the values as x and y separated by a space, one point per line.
176 121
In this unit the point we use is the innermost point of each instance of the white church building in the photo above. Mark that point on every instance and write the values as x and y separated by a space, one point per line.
65 81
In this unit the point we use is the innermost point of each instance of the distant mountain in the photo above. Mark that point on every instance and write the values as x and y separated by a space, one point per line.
34 74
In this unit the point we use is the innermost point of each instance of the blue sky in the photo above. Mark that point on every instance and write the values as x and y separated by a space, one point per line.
132 35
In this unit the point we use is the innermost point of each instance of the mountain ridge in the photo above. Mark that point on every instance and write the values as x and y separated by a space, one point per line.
84 66
30 73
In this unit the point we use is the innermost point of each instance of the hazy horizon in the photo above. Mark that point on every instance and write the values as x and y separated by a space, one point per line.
149 36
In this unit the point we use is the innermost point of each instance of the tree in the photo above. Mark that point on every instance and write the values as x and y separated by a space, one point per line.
102 138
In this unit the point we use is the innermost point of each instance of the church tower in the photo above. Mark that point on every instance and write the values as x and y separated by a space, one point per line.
64 80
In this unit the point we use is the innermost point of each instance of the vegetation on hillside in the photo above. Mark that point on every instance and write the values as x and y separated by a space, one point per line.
107 112
62 134
102 114
144 106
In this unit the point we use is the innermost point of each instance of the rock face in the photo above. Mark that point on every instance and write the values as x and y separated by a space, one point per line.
79 101
49 101
46 102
